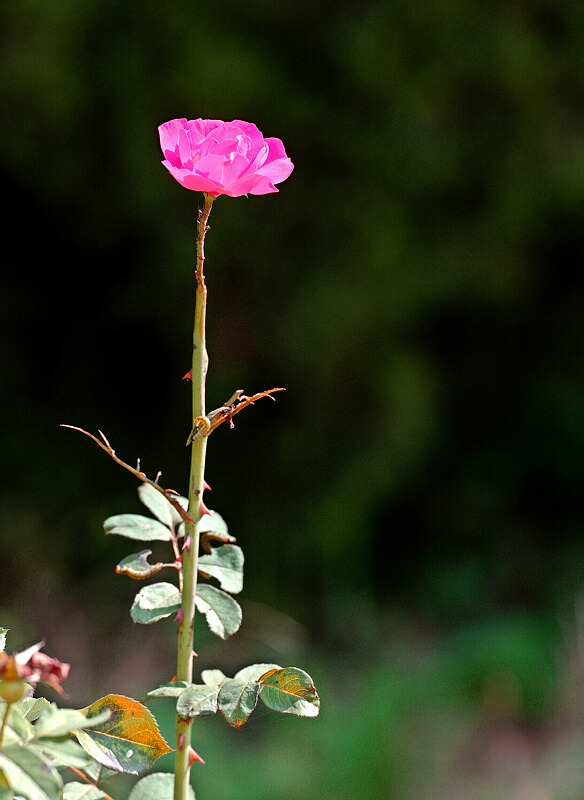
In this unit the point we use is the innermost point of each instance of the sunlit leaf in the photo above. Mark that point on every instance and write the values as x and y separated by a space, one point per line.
159 786
3 632
213 677
129 741
255 671
154 602
159 505
289 691
29 773
172 689
197 701
135 526
236 700
75 790
137 566
222 612
225 564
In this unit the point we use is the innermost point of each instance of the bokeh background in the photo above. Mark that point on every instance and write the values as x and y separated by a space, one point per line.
411 509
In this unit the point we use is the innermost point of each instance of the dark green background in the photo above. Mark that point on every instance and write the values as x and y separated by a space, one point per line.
411 509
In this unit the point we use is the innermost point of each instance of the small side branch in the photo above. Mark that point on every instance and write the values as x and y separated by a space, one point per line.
203 426
169 494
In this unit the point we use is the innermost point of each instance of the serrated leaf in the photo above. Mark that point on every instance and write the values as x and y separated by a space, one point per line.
29 773
137 566
129 741
154 602
3 632
222 612
172 689
236 700
156 503
289 691
135 526
225 564
75 790
159 786
213 677
197 701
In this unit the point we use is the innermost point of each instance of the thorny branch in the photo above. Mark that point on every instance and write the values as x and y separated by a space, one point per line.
203 426
170 494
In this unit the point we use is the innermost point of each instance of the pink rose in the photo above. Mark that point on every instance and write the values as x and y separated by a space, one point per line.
232 158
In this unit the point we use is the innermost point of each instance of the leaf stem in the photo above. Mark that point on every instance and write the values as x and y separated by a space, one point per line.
196 509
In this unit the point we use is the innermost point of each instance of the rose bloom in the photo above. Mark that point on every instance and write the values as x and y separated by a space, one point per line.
232 158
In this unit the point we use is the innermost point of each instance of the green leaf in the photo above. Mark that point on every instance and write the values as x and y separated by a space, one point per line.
32 707
172 689
136 565
18 729
156 503
135 526
75 790
222 612
29 774
213 677
3 632
255 671
237 699
213 522
55 722
129 741
197 701
289 691
226 565
159 786
154 602
64 751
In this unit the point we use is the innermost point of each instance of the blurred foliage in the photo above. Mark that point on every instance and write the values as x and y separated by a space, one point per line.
416 286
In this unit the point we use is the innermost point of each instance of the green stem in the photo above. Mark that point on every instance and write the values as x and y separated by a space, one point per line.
4 721
184 670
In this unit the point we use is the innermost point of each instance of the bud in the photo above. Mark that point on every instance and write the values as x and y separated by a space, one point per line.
13 687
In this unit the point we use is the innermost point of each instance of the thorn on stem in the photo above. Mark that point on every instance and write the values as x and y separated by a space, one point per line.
181 741
188 543
193 756
204 510
180 616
